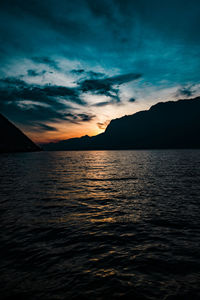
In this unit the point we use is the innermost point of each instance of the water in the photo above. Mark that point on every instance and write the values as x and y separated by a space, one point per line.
100 225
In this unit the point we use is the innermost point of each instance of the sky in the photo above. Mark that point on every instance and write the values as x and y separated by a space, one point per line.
69 67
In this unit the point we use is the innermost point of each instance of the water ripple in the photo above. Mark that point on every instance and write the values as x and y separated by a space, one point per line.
100 225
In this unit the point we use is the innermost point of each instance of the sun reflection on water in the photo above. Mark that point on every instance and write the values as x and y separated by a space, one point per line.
104 221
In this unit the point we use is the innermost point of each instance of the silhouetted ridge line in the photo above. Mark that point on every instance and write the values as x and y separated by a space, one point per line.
14 140
173 124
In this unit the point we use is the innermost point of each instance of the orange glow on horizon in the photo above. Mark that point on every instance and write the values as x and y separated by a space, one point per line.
63 132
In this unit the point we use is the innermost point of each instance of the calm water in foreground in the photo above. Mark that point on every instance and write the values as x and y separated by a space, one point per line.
100 225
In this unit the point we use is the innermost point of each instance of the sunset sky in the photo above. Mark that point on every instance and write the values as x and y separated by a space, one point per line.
69 67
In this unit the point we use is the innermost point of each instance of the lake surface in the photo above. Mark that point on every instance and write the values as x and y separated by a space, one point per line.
100 225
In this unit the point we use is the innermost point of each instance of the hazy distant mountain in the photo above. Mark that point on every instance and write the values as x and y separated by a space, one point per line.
12 139
173 124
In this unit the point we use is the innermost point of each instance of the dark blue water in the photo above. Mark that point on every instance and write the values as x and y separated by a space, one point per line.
100 225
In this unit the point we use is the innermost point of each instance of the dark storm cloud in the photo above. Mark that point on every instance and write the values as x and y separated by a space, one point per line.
185 91
34 105
35 73
31 102
37 116
107 86
100 87
86 117
90 74
67 93
105 25
169 17
78 71
46 61
100 104
14 89
115 33
44 127
12 81
132 100
32 73
93 74
120 79
155 38
78 118
31 115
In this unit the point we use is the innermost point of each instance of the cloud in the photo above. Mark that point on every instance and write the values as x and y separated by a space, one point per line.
108 86
46 61
35 105
103 125
31 115
40 127
15 89
12 81
86 117
91 74
71 118
113 36
187 91
38 117
78 71
100 104
120 79
79 118
34 73
132 100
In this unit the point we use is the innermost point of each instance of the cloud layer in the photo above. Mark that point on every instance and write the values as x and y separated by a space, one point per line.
33 103
126 55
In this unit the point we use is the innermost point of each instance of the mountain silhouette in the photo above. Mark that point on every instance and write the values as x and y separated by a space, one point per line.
173 124
14 140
